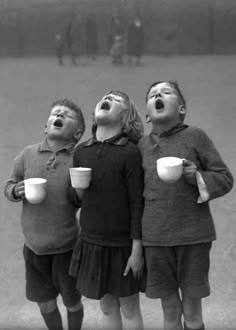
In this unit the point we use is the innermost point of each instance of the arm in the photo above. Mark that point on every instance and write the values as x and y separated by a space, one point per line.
15 189
135 183
136 260
214 172
76 194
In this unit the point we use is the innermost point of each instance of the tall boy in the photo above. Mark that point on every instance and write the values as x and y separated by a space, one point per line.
50 229
178 231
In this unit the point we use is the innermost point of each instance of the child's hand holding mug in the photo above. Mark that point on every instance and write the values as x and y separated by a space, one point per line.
19 190
189 170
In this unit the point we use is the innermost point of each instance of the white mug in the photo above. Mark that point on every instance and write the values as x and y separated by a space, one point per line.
80 177
35 190
169 169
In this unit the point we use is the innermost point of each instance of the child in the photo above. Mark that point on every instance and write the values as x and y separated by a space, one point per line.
50 228
177 230
117 50
107 260
59 48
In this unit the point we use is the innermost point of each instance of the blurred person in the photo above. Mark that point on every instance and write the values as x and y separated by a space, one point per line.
177 225
117 50
115 29
135 40
59 48
108 257
50 228
71 38
91 37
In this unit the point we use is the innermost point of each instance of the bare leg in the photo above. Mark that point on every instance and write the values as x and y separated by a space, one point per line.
110 307
192 311
172 311
131 312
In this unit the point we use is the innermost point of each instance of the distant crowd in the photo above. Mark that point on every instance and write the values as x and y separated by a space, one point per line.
121 40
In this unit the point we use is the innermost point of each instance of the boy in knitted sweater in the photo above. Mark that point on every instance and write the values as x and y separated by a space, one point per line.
177 229
50 228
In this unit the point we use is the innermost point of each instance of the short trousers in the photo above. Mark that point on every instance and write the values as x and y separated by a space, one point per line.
183 267
47 277
99 270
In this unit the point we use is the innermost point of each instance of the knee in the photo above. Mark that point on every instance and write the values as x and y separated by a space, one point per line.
192 310
172 313
48 306
172 309
191 316
76 307
109 304
130 306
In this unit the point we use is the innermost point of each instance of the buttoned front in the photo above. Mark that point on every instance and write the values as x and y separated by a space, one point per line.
171 213
112 205
50 227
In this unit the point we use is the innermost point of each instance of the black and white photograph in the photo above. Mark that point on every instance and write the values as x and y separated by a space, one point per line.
118 165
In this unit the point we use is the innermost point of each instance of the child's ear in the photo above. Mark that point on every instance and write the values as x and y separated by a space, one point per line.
182 110
148 120
78 134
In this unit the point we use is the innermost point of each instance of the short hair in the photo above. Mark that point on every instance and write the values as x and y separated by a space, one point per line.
174 84
132 125
71 105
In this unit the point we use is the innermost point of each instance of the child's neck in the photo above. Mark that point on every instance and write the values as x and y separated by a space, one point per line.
160 128
56 145
106 132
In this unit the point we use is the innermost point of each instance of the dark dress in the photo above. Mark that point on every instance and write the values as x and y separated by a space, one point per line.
110 217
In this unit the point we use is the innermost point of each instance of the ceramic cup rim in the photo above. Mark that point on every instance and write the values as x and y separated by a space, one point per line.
164 161
35 181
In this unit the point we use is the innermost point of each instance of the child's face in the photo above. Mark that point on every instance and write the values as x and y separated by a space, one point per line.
163 105
110 109
62 124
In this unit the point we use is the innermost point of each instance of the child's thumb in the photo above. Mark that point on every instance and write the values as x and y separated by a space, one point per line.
126 270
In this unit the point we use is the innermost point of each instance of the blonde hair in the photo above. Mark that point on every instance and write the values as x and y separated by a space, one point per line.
132 125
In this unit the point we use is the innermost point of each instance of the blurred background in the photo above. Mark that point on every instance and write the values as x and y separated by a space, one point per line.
81 49
29 27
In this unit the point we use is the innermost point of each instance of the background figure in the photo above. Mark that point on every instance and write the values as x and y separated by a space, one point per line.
91 37
70 39
59 48
135 40
115 29
169 37
117 50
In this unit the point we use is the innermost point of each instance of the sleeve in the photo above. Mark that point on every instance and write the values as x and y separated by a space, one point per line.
135 184
72 195
215 173
76 158
17 175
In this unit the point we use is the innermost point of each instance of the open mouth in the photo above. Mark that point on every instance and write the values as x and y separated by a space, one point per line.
159 104
105 105
58 123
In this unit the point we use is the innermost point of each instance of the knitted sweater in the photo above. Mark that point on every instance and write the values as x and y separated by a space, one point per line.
51 226
172 215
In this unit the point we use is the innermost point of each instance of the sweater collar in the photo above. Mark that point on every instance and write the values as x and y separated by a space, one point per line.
43 146
118 140
155 135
